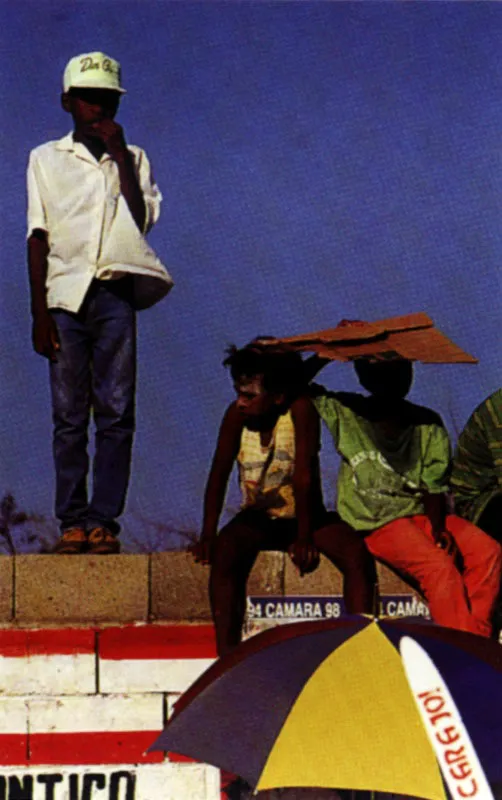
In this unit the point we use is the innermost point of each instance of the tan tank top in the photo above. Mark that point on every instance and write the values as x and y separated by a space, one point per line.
266 473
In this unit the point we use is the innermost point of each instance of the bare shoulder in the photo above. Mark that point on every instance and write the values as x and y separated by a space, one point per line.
304 414
307 425
229 438
302 405
232 419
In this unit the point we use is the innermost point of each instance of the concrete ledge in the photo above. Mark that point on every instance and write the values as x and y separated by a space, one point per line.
325 580
328 580
6 588
80 589
179 588
267 575
45 589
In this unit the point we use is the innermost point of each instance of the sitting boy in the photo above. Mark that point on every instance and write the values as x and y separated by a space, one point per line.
272 430
391 485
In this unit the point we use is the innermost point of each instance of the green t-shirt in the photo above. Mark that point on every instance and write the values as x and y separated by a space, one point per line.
382 478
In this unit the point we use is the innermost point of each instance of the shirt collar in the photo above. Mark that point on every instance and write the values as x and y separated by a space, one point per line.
69 144
66 143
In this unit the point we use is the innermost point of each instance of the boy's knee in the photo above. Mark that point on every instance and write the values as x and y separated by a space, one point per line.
231 545
224 550
439 573
349 554
488 549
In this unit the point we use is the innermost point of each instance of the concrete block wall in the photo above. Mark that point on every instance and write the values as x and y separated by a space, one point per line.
94 651
79 708
37 590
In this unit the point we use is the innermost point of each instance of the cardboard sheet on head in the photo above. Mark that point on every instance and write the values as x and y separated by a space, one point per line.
412 336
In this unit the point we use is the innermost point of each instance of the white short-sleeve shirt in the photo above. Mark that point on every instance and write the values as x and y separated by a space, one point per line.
77 201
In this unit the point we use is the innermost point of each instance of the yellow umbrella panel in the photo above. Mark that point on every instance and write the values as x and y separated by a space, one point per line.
355 726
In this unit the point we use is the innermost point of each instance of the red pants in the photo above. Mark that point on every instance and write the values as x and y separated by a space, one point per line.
457 600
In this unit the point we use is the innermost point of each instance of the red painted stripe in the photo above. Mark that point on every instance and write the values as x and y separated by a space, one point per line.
66 641
13 643
157 641
93 748
58 641
129 642
13 749
124 642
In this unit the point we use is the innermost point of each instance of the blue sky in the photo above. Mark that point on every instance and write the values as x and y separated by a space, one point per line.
318 160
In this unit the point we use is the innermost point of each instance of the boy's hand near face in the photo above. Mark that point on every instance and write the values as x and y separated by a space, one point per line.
111 134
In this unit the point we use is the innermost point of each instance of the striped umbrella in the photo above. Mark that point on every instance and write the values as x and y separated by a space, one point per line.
328 704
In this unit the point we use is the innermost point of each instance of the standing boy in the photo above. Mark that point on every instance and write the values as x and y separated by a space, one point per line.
91 198
272 430
391 485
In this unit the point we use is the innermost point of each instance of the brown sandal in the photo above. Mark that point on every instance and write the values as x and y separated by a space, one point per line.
72 542
102 542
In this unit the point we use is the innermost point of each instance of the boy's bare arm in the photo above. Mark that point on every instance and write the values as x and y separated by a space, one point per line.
306 481
44 332
435 510
112 136
224 458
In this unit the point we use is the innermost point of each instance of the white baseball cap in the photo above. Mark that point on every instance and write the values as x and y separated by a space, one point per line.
92 71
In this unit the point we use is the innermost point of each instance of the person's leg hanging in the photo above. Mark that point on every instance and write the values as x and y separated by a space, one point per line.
408 545
235 550
346 549
482 559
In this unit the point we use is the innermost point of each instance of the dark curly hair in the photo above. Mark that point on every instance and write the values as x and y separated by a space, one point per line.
280 367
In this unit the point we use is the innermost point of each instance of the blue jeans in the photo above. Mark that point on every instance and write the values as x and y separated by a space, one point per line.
95 370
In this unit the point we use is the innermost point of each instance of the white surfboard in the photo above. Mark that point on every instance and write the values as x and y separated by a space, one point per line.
458 760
